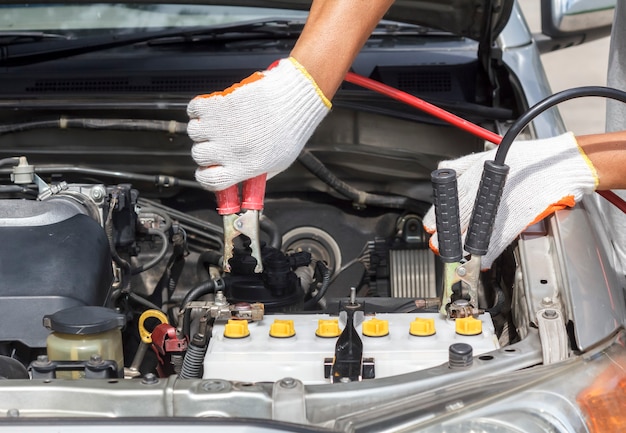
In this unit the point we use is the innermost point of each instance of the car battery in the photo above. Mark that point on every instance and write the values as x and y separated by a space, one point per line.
299 345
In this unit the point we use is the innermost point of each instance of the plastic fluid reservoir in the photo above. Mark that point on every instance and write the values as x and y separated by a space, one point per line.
83 331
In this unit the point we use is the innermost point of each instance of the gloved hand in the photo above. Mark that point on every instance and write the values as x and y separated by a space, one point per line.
257 126
545 176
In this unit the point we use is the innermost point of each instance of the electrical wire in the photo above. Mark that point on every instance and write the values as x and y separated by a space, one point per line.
420 104
492 137
169 126
165 243
549 102
325 284
9 161
317 168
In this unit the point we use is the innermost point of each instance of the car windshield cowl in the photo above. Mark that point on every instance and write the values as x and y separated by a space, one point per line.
41 49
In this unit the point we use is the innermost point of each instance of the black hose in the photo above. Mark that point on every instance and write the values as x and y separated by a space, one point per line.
142 301
195 226
323 269
16 189
169 126
194 357
9 161
208 257
160 180
316 167
200 290
160 256
123 264
269 227
549 102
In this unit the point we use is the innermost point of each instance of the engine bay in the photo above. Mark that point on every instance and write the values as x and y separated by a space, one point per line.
116 261
147 254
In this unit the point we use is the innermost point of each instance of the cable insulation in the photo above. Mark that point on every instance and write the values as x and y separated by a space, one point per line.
485 134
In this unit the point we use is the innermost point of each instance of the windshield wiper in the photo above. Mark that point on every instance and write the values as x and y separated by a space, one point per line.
15 37
393 28
38 51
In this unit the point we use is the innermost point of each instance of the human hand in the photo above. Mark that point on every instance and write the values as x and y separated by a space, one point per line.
545 176
257 126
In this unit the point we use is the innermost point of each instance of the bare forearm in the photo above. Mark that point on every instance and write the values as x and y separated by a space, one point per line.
607 152
333 36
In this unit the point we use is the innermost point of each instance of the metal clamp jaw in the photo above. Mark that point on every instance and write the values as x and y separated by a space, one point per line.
460 290
242 217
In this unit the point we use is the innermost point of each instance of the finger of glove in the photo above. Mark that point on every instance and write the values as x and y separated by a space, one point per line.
525 202
467 185
208 120
205 155
506 229
203 104
545 175
461 165
259 127
217 178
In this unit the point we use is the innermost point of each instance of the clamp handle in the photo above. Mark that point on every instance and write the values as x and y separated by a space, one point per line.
228 200
253 192
446 201
485 207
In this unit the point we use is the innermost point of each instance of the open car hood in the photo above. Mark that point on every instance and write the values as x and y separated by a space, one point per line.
481 20
475 19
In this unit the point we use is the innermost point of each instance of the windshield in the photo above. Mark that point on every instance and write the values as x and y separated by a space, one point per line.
135 17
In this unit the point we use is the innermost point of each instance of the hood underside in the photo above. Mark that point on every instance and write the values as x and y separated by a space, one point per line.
481 20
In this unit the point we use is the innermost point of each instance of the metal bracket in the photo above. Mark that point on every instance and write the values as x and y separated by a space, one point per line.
288 401
553 335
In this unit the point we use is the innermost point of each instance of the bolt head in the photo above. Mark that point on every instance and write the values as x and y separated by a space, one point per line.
150 379
550 314
214 385
288 382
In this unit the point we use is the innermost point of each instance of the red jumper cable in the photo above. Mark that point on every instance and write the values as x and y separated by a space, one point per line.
452 119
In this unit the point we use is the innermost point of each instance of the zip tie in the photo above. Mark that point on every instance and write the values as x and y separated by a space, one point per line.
63 121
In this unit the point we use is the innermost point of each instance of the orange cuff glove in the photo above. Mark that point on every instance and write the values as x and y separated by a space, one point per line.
257 126
545 175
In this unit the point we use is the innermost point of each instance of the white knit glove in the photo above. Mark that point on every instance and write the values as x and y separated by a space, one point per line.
545 176
257 126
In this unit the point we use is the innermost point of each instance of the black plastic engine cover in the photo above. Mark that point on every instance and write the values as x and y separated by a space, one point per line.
51 258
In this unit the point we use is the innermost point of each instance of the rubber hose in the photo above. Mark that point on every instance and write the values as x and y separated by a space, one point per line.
159 256
194 358
316 167
200 290
323 288
269 227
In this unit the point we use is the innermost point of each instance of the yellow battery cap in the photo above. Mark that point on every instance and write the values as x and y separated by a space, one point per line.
375 327
236 329
282 329
421 327
468 326
328 328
